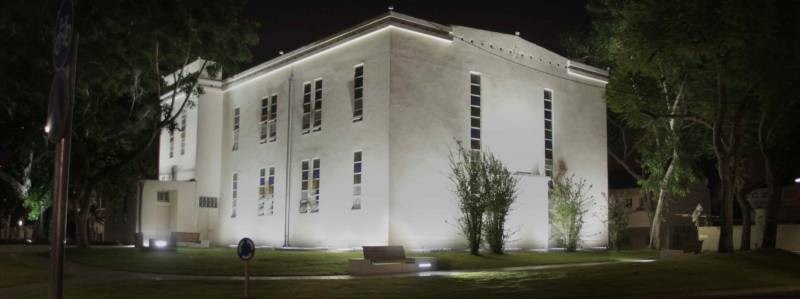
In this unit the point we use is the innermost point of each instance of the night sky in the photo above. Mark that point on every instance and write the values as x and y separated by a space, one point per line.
288 25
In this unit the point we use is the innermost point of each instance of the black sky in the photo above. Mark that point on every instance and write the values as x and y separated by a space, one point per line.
288 25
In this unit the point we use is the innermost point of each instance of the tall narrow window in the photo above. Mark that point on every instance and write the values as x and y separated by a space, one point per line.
358 93
234 193
357 173
315 186
317 105
171 142
266 190
262 190
272 120
475 111
267 122
306 107
236 129
262 122
548 133
303 206
183 133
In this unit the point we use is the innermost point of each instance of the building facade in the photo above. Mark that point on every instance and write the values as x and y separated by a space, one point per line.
346 142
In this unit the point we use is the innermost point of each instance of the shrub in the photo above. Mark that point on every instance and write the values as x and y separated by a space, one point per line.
568 205
501 188
617 222
467 174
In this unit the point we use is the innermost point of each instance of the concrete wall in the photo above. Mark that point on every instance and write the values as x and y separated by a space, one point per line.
430 111
788 237
178 215
185 162
416 105
336 224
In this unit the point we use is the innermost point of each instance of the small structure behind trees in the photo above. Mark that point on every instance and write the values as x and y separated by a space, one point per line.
485 189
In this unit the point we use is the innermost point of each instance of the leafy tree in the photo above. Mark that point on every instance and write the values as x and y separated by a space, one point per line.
646 94
617 222
129 52
700 68
569 202
501 188
467 172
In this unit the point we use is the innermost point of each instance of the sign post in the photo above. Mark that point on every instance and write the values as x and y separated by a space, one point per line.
59 130
246 250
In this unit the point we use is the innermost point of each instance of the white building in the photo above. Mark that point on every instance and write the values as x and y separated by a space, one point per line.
370 166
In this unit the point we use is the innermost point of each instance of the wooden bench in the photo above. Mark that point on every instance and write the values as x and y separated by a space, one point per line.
388 260
181 237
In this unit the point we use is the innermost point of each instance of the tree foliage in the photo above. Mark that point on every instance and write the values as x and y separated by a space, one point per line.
569 203
467 175
126 52
501 188
485 189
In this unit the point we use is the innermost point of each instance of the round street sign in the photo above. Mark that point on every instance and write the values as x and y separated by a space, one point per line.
57 107
63 40
246 249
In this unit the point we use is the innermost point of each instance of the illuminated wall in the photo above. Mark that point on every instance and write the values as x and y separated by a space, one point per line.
416 105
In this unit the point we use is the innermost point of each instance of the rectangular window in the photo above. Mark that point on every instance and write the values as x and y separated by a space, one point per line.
183 133
262 122
306 107
312 110
272 119
234 193
171 142
304 187
548 132
236 116
208 202
358 93
266 190
309 186
267 122
314 192
357 176
163 196
475 111
317 105
262 190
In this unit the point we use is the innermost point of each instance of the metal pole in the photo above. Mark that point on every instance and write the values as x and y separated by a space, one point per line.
246 278
61 190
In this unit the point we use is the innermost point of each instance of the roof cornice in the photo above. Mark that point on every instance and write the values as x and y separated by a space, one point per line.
390 19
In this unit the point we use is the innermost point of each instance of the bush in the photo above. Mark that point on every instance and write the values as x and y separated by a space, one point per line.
568 204
501 187
467 171
617 222
485 191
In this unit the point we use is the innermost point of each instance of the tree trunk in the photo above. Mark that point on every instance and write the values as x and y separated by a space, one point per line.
770 238
83 228
745 208
656 227
726 223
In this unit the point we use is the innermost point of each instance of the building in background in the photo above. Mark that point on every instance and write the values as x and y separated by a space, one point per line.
345 142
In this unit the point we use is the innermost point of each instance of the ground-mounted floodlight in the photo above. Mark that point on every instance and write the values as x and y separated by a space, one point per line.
797 180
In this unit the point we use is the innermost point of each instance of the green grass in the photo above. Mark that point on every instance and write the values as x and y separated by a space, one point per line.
657 279
15 271
223 261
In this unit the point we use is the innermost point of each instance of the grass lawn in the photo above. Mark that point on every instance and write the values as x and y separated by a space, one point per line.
675 277
223 261
15 271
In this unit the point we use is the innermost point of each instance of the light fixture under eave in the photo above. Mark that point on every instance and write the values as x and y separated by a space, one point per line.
47 129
